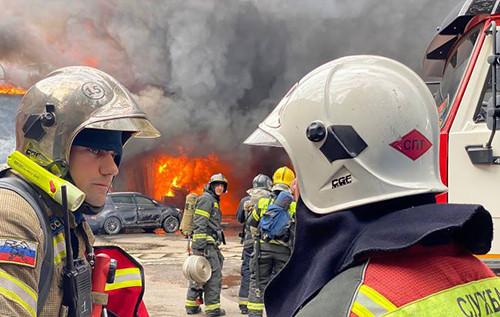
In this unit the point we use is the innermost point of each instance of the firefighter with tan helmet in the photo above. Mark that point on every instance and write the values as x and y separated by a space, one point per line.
70 130
207 236
270 253
362 134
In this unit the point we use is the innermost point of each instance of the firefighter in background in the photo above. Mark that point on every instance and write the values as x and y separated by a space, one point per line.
207 236
362 133
71 125
261 187
269 256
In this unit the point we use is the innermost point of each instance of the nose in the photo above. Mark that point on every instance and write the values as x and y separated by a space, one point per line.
108 165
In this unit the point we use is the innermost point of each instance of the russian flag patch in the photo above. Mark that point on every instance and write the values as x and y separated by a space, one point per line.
20 252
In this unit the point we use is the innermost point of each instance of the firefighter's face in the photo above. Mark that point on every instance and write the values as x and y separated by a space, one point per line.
219 189
92 172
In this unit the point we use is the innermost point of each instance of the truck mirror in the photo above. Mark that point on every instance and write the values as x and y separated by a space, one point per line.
492 113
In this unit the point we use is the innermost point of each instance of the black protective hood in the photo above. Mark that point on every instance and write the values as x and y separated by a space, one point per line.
325 245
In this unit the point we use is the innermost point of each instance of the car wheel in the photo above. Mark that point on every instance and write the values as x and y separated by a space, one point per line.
112 225
170 224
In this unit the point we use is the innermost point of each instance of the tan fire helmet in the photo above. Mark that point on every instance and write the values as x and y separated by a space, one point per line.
219 178
196 268
55 109
358 130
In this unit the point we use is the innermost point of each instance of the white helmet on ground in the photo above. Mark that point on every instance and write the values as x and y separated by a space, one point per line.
358 130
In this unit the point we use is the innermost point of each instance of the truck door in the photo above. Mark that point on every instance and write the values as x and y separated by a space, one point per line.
469 182
146 210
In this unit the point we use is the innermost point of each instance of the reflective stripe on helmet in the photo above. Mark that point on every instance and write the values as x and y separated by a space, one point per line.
18 292
124 278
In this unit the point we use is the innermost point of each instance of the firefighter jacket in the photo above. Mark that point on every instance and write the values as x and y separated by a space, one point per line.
22 248
242 216
207 220
126 291
361 254
258 212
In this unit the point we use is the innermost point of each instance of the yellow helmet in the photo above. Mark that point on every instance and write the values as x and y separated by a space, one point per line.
283 176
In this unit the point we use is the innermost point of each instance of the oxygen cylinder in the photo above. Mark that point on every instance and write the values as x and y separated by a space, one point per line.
186 226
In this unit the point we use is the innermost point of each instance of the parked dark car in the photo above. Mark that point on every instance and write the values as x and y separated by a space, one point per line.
134 210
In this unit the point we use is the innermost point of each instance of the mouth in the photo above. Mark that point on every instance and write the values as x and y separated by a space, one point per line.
102 186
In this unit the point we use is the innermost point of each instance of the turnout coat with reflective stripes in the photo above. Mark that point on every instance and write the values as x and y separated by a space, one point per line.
330 246
18 281
206 220
420 281
258 212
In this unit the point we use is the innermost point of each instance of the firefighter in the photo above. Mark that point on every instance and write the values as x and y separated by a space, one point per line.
269 256
261 187
362 133
207 236
71 125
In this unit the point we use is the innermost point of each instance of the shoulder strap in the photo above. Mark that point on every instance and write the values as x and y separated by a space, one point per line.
32 197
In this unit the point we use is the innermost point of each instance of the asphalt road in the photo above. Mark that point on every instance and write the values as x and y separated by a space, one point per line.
162 256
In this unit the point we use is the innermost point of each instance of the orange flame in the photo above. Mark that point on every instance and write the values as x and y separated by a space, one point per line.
9 89
179 175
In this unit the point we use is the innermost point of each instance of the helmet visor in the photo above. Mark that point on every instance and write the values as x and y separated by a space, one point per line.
141 127
262 138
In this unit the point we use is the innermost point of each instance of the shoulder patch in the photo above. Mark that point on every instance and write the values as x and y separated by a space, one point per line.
17 251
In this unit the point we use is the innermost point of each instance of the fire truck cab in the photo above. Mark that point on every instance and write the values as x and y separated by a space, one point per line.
465 56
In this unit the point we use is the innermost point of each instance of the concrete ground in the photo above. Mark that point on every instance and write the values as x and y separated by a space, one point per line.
162 256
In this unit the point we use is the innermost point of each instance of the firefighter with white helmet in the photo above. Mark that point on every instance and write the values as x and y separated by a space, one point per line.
261 187
362 134
270 254
70 130
207 236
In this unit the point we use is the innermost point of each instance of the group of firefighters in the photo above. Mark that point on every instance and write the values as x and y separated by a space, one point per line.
367 236
261 257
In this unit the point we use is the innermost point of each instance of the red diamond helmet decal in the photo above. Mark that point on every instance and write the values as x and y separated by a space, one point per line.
413 144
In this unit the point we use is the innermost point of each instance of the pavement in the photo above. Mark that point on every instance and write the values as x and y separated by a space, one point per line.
162 256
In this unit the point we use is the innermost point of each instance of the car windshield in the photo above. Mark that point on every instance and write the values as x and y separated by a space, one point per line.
454 72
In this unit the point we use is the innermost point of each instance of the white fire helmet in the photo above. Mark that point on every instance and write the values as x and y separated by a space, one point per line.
358 130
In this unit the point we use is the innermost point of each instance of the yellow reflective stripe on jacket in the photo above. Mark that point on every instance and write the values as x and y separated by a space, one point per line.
18 292
370 303
124 278
262 205
255 215
255 306
292 208
212 307
202 213
216 204
478 298
198 236
59 248
191 303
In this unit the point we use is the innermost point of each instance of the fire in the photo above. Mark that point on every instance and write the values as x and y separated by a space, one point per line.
9 89
176 176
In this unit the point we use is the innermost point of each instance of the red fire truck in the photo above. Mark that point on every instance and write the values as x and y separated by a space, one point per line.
465 55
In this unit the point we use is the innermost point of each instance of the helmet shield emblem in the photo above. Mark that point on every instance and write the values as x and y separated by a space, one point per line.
413 144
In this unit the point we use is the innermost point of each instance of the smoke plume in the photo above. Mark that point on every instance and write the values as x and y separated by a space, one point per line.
207 72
